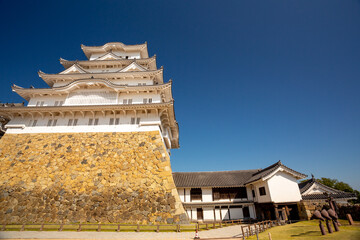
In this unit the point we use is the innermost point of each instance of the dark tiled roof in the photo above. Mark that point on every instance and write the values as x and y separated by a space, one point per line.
213 179
319 196
266 171
304 186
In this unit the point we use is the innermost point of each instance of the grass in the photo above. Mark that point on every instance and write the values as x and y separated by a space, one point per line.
310 230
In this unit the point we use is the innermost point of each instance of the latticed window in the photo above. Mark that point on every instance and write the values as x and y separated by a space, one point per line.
195 194
262 191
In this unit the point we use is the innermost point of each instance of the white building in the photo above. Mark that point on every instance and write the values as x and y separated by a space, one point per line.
270 193
119 89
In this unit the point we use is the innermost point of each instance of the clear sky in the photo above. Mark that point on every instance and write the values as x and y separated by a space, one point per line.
253 81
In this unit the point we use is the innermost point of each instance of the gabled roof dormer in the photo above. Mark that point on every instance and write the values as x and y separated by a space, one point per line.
109 56
133 67
75 68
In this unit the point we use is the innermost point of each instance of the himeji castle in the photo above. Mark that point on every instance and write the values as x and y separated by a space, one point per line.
95 145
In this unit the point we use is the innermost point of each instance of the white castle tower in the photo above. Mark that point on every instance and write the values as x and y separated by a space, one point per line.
106 125
119 89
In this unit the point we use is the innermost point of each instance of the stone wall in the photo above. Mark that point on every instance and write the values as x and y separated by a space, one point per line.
87 177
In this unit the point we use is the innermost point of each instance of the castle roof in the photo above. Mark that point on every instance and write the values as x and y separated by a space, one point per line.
322 191
229 178
150 62
213 179
50 79
27 93
113 46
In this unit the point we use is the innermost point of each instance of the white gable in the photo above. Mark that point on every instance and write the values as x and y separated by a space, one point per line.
109 56
73 69
133 67
317 188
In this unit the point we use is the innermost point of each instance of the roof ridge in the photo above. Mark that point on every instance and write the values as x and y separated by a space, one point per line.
220 171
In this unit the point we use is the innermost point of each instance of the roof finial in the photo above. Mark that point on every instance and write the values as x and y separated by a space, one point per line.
312 176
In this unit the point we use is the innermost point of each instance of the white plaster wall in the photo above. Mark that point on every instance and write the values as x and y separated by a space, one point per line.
252 211
48 100
217 214
147 123
284 188
181 194
194 214
258 198
249 193
225 213
208 214
129 82
187 195
138 98
132 55
207 194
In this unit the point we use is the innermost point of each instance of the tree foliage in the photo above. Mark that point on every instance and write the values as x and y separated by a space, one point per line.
334 183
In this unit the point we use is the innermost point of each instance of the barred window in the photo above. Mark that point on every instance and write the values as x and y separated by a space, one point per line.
195 194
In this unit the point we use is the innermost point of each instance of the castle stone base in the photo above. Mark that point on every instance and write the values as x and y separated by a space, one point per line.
87 177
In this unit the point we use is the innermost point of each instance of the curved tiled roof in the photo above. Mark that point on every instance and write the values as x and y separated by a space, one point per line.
319 196
213 179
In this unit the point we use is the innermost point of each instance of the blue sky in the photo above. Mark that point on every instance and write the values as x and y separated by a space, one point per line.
253 81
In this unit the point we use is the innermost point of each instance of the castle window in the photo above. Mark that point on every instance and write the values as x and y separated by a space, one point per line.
56 103
34 123
54 122
49 123
111 122
117 121
90 121
132 121
137 120
150 100
61 103
262 191
130 101
195 194
96 122
72 122
145 100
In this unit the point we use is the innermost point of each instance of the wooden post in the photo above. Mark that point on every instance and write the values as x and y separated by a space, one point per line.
118 228
157 228
42 227
242 230
220 224
207 228
61 227
178 227
214 225
138 228
79 229
249 229
3 227
22 227
270 236
99 228
349 218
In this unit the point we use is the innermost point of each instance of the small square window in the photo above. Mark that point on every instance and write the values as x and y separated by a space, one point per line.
34 123
111 122
124 101
132 120
54 122
56 103
145 100
262 191
137 120
130 101
90 121
70 122
150 100
75 122
49 123
117 121
96 122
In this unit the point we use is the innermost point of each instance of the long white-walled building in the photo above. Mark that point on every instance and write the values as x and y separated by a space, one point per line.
119 89
270 193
